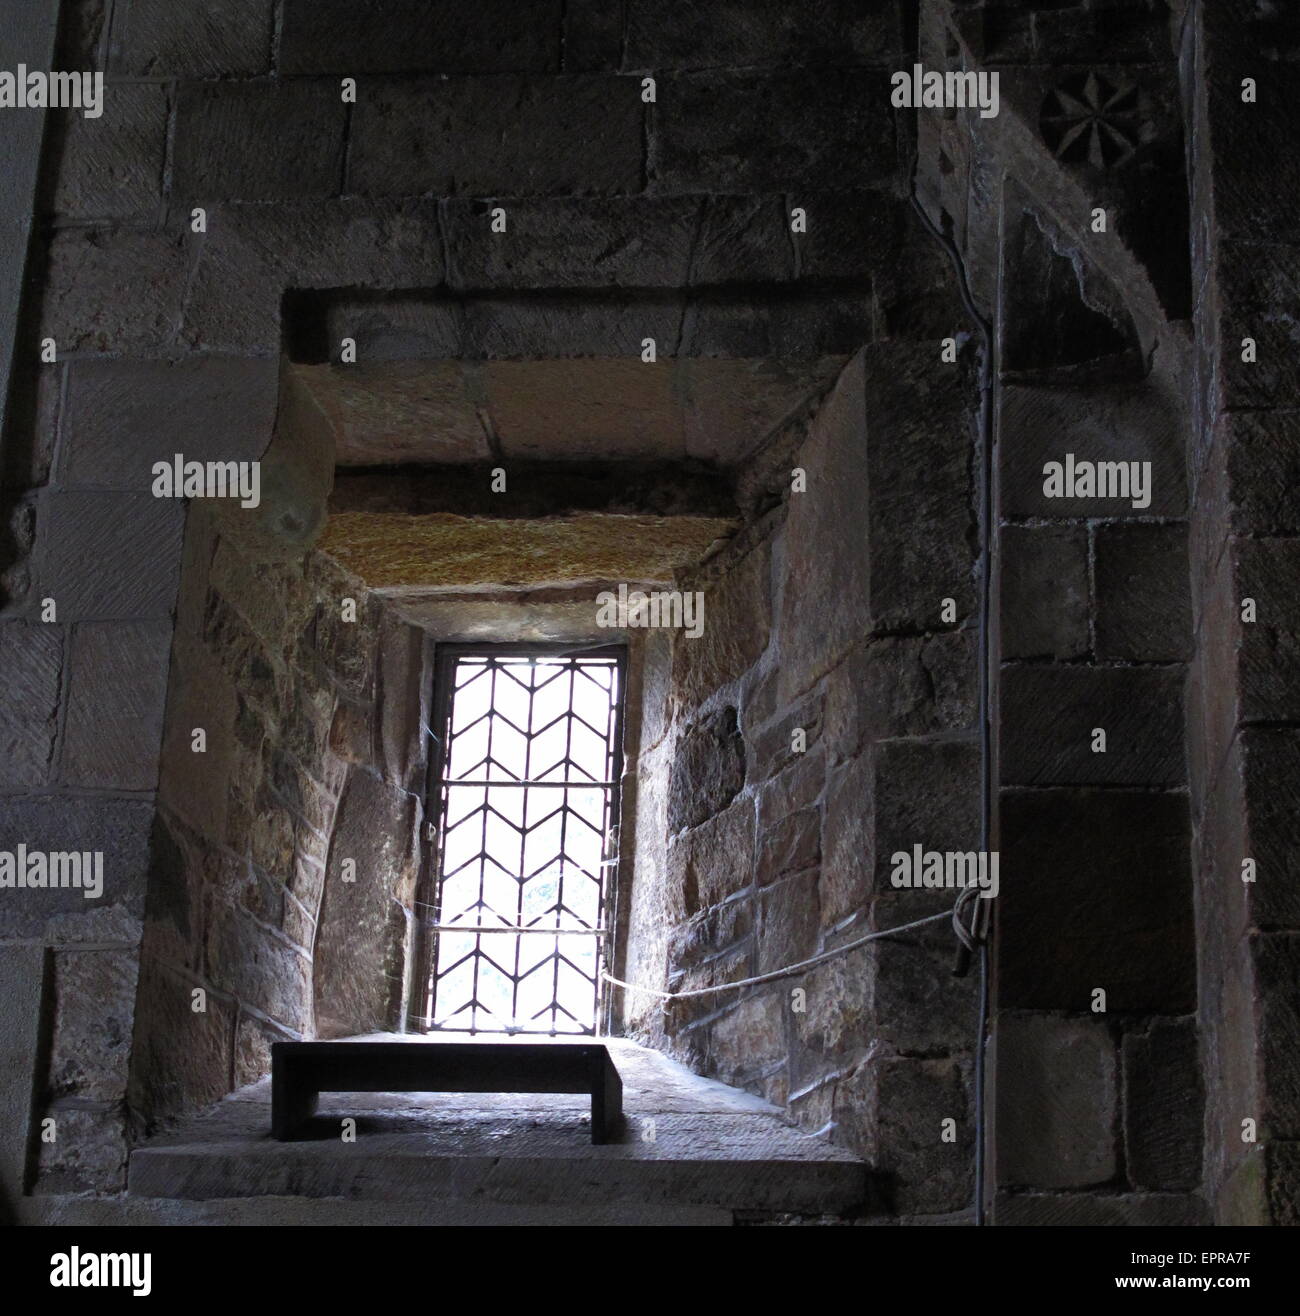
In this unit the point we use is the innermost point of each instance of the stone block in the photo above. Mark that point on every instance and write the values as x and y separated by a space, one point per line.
253 253
1050 713
917 452
1143 581
1088 1210
258 141
112 167
920 1008
83 35
593 36
1096 892
109 556
1055 1105
360 943
912 1098
117 697
715 860
257 968
737 618
24 973
1270 766
420 36
1270 646
1044 591
181 1057
499 328
119 829
219 39
498 137
117 292
789 919
254 1039
708 771
748 1036
89 1152
775 744
927 794
123 416
1164 1106
564 242
900 686
1115 423
824 526
94 1012
32 655
848 839
1276 959
771 132
1252 170
740 239
753 33
1263 458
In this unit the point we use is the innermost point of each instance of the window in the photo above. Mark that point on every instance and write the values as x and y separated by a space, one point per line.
525 762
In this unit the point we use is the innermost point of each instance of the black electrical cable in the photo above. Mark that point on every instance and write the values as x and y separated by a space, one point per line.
979 917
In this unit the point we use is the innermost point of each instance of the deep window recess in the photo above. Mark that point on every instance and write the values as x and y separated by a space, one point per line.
524 800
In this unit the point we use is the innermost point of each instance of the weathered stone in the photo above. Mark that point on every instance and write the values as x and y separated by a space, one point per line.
752 132
223 38
253 253
254 1039
258 141
736 620
1270 646
749 33
1163 1106
117 292
181 1056
848 839
1143 1210
1116 424
1044 590
94 1009
55 824
570 242
788 921
740 239
1263 456
593 36
708 771
110 556
927 794
359 949
1050 715
1270 768
501 327
499 136
122 417
117 695
88 1153
420 36
1095 892
748 1036
1142 583
918 521
1056 1092
263 972
716 859
920 1007
112 167
797 787
32 654
1276 958
911 1099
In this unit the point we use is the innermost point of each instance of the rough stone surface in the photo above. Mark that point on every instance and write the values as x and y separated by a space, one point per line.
1096 893
1164 1106
1044 592
1143 609
708 772
1056 1098
32 653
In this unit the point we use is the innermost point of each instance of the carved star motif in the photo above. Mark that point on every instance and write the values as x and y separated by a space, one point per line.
1090 120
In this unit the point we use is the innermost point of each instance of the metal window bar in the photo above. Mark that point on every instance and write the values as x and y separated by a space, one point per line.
527 724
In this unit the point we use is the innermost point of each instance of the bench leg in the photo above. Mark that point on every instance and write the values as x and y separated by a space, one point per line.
293 1101
606 1102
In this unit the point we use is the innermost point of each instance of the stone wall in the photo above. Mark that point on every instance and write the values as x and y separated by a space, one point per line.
824 720
308 695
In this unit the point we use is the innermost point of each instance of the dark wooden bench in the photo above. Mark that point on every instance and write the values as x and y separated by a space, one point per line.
300 1071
